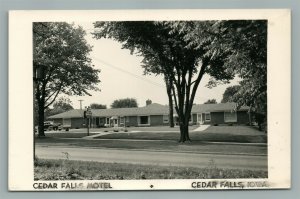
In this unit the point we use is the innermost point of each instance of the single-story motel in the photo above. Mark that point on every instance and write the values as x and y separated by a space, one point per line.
155 115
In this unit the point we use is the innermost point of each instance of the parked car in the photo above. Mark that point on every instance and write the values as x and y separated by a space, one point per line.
55 127
49 125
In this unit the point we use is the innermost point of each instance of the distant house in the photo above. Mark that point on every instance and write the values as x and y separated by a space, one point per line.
154 115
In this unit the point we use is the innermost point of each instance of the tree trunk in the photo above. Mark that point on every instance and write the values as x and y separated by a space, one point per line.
184 132
169 93
41 118
171 110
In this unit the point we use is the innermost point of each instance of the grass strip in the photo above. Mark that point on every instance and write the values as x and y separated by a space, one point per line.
45 169
171 145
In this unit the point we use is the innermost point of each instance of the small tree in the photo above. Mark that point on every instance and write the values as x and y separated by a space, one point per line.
97 106
211 101
59 106
124 103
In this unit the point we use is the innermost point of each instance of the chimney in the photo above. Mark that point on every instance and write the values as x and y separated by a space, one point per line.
148 102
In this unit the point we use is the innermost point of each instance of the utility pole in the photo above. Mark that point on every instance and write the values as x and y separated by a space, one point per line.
80 101
87 116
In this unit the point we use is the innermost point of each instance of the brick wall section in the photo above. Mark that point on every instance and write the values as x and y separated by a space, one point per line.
133 121
77 123
243 117
217 118
157 120
101 121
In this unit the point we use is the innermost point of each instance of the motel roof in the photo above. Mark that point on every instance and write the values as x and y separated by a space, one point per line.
203 108
152 109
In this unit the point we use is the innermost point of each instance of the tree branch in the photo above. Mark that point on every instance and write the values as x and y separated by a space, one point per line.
53 98
200 75
175 99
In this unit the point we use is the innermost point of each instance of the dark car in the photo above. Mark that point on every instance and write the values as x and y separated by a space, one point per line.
49 125
57 127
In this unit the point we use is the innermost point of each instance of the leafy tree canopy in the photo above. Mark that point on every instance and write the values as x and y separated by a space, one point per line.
98 106
228 95
246 40
211 101
61 105
124 103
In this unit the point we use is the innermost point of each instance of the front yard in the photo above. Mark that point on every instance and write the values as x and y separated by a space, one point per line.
236 134
215 139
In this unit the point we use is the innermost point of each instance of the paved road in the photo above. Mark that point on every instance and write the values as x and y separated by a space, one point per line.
154 157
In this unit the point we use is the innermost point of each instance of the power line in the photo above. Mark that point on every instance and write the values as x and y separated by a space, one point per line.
129 73
137 76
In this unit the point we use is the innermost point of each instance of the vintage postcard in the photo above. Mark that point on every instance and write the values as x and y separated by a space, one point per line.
149 100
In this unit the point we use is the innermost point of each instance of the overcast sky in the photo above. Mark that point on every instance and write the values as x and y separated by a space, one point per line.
122 76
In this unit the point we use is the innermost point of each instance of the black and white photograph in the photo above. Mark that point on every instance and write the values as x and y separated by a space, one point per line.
152 100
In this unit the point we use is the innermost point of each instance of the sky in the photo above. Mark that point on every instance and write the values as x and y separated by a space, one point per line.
122 76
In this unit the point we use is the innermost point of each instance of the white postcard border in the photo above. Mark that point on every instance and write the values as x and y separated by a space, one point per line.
21 84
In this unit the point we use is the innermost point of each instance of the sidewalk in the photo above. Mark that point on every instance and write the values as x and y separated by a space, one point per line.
202 127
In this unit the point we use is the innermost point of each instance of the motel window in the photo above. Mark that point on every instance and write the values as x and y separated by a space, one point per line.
165 118
107 120
121 120
127 119
230 116
144 120
67 121
207 116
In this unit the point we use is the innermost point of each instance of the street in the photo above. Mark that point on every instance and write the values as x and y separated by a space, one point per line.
253 162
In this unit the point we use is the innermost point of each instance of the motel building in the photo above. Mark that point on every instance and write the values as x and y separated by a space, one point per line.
154 115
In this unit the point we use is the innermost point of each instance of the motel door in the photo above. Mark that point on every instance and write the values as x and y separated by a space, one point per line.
200 119
114 121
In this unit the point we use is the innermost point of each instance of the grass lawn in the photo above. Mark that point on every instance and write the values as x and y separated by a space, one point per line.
80 170
212 134
64 134
150 128
167 145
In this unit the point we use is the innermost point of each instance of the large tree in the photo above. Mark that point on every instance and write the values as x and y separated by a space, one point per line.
165 50
124 103
61 64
